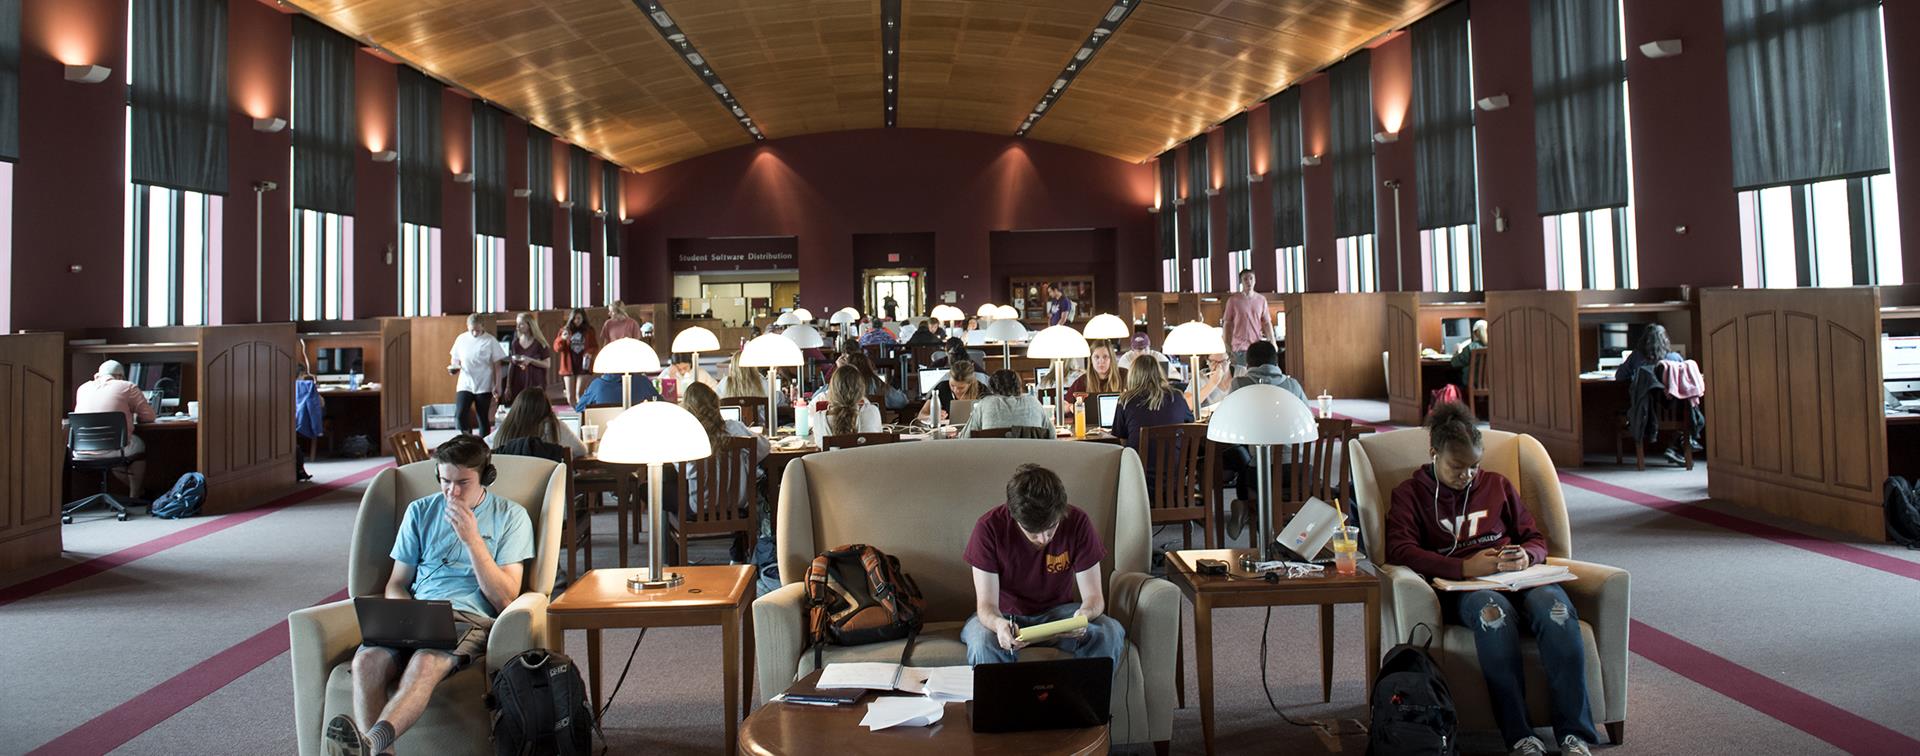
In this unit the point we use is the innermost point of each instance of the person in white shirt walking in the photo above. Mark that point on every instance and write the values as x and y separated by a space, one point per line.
476 358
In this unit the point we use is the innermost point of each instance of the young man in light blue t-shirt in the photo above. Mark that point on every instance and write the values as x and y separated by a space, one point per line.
463 545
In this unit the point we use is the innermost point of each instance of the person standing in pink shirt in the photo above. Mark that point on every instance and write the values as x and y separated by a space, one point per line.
110 391
619 325
1245 320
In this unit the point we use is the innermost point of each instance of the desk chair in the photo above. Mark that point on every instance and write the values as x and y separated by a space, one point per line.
851 440
753 409
1181 471
1670 415
99 432
719 499
1479 387
407 448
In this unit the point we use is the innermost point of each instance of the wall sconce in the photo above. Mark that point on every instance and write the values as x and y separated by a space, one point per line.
1310 160
269 125
463 178
1153 209
1179 201
1385 137
1496 102
1213 191
626 221
523 193
385 156
88 74
1255 178
599 213
1661 48
567 204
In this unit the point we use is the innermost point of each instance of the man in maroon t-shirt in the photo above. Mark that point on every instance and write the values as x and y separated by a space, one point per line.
1028 557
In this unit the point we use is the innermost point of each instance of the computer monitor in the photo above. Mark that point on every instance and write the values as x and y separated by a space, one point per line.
338 361
1900 362
1616 337
1451 343
1456 327
931 378
163 377
1109 406
730 413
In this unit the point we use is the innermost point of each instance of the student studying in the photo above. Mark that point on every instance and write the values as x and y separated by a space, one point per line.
1029 556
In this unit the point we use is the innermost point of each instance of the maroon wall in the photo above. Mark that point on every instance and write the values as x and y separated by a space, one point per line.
1051 253
1902 21
69 184
1392 112
824 188
376 189
1503 141
1682 165
1260 137
1316 112
456 204
259 55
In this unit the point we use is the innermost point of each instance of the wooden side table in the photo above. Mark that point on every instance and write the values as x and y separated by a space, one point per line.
712 595
782 728
1208 592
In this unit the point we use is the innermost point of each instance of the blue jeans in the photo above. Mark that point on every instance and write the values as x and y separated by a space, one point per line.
1105 637
1551 620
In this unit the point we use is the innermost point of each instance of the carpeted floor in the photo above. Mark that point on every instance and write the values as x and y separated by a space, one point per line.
1752 635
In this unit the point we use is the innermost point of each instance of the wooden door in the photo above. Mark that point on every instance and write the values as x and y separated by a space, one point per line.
32 448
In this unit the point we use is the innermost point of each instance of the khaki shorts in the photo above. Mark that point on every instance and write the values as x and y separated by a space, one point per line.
472 629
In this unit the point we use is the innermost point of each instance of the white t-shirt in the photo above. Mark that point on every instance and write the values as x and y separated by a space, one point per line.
476 356
868 422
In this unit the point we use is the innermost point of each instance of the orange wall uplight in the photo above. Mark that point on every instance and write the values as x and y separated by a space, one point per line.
75 33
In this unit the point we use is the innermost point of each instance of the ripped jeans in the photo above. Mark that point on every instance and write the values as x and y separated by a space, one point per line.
1548 616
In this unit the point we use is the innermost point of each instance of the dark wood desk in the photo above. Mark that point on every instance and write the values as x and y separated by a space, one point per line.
712 595
1208 592
781 728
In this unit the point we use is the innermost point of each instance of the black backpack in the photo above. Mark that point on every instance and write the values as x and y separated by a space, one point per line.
856 595
183 500
1412 707
539 707
1903 512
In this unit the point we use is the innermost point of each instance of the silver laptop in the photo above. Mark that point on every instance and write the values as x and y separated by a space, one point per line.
960 411
730 413
1109 406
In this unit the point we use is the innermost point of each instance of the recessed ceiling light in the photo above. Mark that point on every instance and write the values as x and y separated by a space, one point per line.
660 17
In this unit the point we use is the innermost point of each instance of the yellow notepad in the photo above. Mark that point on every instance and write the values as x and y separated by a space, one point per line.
1047 630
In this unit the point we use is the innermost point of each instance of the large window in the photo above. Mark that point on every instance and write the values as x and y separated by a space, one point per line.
489 258
1591 250
612 285
419 259
168 241
1444 157
1203 274
1842 232
1291 263
1239 260
540 277
1357 261
321 241
580 279
1583 126
1452 258
1170 275
175 159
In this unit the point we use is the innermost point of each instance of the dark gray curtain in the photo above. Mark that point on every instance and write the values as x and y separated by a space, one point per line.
1579 108
179 94
489 171
421 160
1283 116
582 213
9 79
1807 90
1199 180
323 108
1239 195
1352 123
1443 118
1169 213
610 199
540 184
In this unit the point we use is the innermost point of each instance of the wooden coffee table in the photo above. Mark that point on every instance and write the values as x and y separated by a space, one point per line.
1208 592
712 595
783 728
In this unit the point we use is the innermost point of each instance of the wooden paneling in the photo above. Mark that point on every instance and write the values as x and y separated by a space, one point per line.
596 73
432 339
397 411
1533 340
246 421
1403 357
1334 343
1793 395
32 448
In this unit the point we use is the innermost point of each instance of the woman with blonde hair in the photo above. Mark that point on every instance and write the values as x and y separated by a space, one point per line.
1148 401
619 325
741 380
963 384
527 359
1103 375
848 410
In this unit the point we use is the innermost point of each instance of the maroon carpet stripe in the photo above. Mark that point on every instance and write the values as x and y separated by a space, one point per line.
147 709
66 575
1824 547
1841 728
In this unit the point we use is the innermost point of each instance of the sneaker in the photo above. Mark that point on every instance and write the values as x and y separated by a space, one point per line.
1236 519
1673 455
1528 746
344 738
1572 745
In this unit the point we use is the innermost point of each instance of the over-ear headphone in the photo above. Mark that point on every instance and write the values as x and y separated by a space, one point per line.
489 473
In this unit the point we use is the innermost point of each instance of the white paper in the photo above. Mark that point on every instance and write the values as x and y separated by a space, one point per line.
938 683
1530 574
895 711
861 675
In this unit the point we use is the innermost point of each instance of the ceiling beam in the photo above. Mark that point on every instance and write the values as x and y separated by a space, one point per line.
676 39
1103 30
890 60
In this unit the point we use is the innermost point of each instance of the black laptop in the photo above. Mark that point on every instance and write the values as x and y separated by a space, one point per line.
1057 694
405 623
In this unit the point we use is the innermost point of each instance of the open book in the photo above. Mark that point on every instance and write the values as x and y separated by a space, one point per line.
1531 577
937 683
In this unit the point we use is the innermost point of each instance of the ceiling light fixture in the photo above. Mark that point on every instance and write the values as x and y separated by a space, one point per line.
890 62
1108 24
698 63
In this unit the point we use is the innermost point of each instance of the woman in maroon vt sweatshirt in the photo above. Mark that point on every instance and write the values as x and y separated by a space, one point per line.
1451 520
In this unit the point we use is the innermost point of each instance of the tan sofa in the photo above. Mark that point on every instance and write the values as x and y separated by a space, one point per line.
918 501
1381 462
325 637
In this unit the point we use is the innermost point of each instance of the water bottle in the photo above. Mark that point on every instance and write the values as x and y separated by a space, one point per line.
1080 417
1326 404
353 381
933 410
802 419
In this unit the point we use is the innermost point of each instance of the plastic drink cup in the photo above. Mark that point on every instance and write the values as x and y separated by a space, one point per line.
1346 550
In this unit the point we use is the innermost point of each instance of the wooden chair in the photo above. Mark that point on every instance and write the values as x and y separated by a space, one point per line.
1180 479
407 448
722 501
879 402
1669 416
753 409
852 440
1316 469
1478 387
923 357
576 526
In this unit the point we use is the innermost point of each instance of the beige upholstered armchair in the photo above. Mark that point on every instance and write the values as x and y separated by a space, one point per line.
905 500
1381 462
324 637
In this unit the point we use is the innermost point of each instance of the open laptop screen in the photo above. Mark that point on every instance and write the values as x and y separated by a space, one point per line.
1109 406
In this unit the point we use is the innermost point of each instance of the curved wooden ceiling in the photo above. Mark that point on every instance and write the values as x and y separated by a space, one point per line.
597 73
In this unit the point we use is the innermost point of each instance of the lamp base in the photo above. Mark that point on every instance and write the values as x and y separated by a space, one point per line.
667 580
